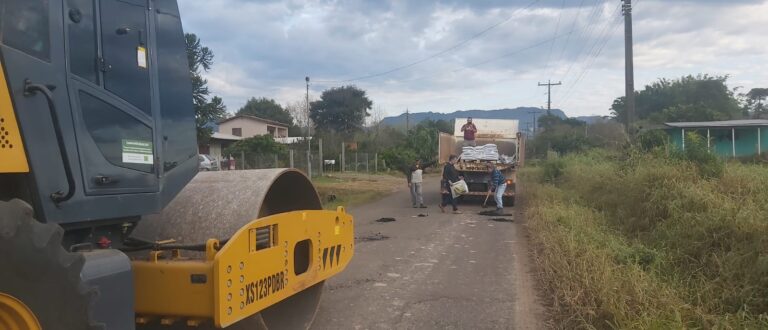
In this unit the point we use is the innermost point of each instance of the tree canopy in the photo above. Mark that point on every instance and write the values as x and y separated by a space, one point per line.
341 109
267 109
689 98
200 59
754 104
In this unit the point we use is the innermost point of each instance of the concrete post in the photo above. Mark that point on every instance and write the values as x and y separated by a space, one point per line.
343 166
707 138
320 155
376 163
733 141
759 142
242 157
290 158
682 130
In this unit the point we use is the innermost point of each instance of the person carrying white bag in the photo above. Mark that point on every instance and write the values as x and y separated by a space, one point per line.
450 176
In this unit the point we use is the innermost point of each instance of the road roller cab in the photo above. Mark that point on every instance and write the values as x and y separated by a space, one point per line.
102 219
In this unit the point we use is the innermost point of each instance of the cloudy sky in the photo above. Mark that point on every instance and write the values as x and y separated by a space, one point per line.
452 55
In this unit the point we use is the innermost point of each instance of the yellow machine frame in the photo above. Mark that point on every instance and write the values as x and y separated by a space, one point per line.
12 156
259 266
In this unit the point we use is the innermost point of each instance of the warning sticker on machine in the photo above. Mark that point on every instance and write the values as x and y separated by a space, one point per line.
141 57
137 152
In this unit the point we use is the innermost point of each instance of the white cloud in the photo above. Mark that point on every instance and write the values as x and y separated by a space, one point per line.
266 48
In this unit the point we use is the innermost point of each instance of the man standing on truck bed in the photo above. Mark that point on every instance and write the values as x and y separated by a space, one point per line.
450 175
414 174
469 130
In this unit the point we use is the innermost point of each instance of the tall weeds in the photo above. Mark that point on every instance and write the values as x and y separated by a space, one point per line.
649 241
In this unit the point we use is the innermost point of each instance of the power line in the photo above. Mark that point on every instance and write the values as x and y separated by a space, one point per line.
573 27
489 60
438 54
557 29
590 27
596 6
592 56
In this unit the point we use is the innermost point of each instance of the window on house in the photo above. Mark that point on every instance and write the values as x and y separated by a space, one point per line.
272 130
237 131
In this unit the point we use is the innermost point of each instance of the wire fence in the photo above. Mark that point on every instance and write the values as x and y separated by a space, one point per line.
312 162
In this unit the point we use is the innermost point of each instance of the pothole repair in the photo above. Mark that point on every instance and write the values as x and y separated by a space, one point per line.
372 237
386 220
495 214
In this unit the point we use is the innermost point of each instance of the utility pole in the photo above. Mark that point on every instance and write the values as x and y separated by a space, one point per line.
549 85
534 121
407 120
629 66
308 125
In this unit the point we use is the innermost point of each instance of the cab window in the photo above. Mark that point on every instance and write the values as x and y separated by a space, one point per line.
25 27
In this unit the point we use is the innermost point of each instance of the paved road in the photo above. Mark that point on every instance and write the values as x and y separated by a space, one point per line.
443 271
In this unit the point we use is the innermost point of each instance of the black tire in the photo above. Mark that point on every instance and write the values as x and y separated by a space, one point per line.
35 269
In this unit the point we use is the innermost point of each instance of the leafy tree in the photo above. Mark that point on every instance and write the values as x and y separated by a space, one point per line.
606 134
419 143
255 146
267 109
200 59
560 135
689 98
440 125
341 109
755 102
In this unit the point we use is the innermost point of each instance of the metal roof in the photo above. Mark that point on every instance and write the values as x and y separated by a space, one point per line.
724 123
222 136
263 120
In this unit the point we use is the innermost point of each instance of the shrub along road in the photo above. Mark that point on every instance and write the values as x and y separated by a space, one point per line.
442 271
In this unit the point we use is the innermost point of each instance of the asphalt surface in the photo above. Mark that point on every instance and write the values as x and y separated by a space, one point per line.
442 271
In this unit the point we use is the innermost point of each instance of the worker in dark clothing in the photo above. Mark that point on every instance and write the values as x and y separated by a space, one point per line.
450 175
415 177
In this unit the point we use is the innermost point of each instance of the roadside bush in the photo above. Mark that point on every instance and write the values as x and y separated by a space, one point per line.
696 151
649 140
553 169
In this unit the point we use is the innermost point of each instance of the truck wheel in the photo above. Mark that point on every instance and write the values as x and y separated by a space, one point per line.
39 280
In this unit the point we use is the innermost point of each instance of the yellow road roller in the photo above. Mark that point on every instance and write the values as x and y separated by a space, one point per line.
105 222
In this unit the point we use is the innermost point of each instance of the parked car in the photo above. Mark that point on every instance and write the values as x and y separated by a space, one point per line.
208 163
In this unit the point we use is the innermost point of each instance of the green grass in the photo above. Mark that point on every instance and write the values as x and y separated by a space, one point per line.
354 189
649 242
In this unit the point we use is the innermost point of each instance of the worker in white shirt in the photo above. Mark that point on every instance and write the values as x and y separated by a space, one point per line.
415 175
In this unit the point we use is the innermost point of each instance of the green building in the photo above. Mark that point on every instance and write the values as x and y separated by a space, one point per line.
730 138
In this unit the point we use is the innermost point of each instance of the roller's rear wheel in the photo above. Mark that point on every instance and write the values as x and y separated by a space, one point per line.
38 278
218 203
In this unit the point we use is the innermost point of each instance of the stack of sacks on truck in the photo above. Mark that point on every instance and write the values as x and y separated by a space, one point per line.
484 152
469 153
489 152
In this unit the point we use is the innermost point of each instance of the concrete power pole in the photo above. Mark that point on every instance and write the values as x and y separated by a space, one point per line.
407 120
534 122
629 66
549 85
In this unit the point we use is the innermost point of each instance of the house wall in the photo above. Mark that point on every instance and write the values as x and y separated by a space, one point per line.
251 128
720 140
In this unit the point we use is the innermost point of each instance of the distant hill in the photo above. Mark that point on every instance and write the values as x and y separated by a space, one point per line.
525 116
